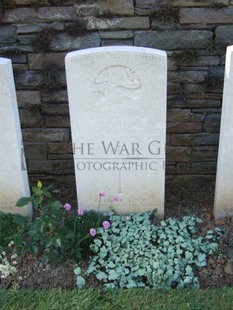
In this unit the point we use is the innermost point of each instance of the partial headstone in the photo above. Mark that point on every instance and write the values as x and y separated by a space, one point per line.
223 204
117 100
13 176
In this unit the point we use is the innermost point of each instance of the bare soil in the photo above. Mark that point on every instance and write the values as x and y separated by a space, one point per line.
179 202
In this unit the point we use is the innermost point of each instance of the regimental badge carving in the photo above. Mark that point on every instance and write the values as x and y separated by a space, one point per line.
118 76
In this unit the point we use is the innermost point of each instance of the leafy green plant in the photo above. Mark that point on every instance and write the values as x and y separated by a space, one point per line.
7 264
11 228
42 42
57 232
213 47
135 253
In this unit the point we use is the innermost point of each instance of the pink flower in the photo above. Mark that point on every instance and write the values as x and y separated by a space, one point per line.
106 225
92 232
116 199
102 194
80 212
67 207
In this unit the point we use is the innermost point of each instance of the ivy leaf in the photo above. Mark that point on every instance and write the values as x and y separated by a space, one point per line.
113 275
80 282
23 201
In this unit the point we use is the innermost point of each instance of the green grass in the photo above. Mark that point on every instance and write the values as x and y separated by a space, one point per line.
130 299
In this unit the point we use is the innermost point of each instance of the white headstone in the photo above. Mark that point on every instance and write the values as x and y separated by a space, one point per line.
223 204
117 100
13 175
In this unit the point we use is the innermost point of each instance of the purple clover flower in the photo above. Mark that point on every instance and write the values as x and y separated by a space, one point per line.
92 232
80 212
106 225
102 194
67 207
116 199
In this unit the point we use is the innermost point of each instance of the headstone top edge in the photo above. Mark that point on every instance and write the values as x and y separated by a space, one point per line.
112 49
4 61
230 49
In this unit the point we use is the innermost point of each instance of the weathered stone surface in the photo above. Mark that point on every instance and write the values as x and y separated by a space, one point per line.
35 150
87 8
197 117
117 43
28 28
28 2
194 88
6 50
30 118
172 40
206 16
179 3
20 67
179 127
171 66
224 35
204 153
212 123
55 108
196 168
60 148
40 61
195 139
116 7
160 25
184 180
51 166
127 34
28 79
103 7
46 135
175 115
18 59
26 39
187 76
145 3
173 88
8 34
60 121
201 61
29 15
28 97
189 103
63 42
55 96
117 23
177 154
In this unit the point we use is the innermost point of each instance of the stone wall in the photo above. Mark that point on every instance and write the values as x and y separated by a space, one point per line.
36 35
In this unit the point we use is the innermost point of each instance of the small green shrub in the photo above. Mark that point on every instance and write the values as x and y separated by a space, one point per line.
11 227
57 232
42 42
135 253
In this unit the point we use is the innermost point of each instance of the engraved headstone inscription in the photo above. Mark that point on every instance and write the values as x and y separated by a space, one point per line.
117 101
